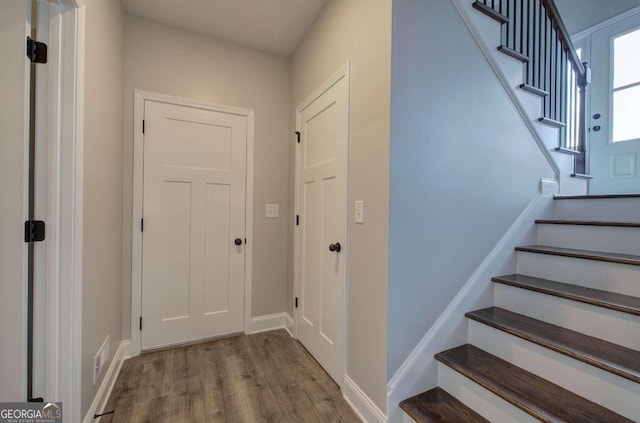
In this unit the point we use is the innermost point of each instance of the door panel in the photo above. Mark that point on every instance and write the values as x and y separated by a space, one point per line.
615 96
194 208
322 181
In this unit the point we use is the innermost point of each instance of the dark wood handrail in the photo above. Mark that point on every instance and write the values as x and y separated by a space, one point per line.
565 38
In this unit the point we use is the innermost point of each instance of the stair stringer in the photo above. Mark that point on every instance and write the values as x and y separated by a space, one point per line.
419 372
486 33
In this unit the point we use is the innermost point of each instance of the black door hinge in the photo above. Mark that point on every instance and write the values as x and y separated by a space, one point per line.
140 322
296 302
298 136
297 220
36 51
143 126
141 225
34 231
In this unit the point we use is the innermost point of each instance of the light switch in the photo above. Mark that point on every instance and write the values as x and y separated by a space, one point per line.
359 211
272 211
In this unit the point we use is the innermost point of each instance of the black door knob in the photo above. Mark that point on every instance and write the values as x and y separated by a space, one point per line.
238 241
596 128
335 247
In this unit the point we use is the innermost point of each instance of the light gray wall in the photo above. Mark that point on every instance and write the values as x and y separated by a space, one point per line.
167 60
463 167
358 31
102 233
582 14
13 141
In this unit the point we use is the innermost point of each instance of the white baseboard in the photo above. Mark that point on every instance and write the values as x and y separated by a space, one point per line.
104 392
288 324
269 322
419 371
361 403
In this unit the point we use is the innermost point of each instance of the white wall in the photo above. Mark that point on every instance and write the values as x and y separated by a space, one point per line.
102 235
167 60
13 167
358 31
582 14
463 166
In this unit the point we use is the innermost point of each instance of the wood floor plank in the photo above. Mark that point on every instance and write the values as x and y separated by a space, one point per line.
267 377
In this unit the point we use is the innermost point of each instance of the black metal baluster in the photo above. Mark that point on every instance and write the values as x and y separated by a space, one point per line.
529 37
505 28
522 26
515 25
545 61
540 43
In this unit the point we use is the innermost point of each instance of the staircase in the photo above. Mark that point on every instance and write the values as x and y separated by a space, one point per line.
533 36
562 341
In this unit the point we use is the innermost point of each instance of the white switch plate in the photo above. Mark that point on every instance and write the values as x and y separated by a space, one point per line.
272 211
359 211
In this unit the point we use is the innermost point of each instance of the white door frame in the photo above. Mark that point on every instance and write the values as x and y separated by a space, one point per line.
65 131
343 72
138 187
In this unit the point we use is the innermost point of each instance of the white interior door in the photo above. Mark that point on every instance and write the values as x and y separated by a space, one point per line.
322 206
194 215
615 102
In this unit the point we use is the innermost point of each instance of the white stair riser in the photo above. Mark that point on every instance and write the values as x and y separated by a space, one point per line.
612 326
599 386
480 400
617 210
594 238
613 277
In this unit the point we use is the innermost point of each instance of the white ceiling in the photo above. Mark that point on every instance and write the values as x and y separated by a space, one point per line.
275 26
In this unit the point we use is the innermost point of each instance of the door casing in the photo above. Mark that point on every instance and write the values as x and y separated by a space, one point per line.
343 72
138 186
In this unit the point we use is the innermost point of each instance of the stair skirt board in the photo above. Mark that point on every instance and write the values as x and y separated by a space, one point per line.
483 402
613 277
608 325
597 385
621 240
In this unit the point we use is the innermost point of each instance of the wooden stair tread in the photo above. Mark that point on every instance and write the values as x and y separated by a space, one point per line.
569 151
588 223
438 406
607 356
515 54
552 122
606 299
582 254
530 393
534 90
490 12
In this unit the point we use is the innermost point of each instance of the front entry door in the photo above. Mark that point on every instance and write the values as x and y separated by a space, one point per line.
322 205
194 223
615 101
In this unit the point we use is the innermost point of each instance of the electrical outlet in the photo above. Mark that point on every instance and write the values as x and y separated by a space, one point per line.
100 359
359 212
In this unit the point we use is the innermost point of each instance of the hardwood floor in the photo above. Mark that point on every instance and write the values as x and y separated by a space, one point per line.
267 377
